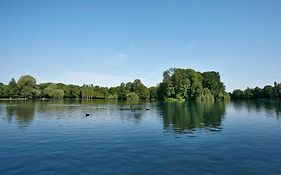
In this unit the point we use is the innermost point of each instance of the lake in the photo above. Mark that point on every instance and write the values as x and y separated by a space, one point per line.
56 137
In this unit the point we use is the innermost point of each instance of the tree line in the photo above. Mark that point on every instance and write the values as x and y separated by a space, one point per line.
267 92
177 84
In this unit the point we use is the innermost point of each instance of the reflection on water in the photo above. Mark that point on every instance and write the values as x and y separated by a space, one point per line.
135 116
272 108
22 112
177 117
139 137
187 117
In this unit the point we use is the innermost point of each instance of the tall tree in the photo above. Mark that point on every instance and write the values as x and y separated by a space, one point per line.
181 84
2 87
248 93
152 93
268 92
12 90
211 80
237 94
27 85
53 91
122 91
140 89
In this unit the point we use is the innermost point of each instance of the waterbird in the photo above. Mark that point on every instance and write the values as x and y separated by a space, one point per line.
87 114
147 109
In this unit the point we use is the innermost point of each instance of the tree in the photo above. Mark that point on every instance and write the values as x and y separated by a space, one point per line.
41 87
54 92
152 93
74 91
177 84
182 84
2 87
132 96
140 89
122 91
206 95
277 91
166 88
195 82
211 80
248 93
113 93
11 90
268 91
237 94
27 85
257 93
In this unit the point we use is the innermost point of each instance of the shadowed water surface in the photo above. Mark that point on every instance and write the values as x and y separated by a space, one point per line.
55 137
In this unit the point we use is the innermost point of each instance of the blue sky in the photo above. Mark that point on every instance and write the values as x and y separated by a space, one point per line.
106 42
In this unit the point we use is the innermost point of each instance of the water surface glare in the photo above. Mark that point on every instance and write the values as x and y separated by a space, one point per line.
56 137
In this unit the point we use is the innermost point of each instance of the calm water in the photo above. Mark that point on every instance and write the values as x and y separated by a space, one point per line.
170 138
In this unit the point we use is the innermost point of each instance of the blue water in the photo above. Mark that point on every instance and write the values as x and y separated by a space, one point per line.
56 137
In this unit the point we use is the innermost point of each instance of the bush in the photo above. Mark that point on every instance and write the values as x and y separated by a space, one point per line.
132 96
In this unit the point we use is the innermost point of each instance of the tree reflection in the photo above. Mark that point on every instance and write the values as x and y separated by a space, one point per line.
191 116
23 112
273 108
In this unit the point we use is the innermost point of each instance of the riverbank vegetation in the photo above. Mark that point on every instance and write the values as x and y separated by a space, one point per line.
178 84
267 92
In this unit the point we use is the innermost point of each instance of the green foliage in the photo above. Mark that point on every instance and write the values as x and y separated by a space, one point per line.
140 89
188 84
136 87
174 100
277 91
224 96
178 84
54 92
2 87
74 91
206 95
110 96
211 80
11 90
237 93
94 92
152 93
27 85
248 93
258 93
268 92
132 96
122 91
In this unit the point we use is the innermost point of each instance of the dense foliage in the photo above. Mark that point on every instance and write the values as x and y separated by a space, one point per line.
177 84
27 88
187 84
267 92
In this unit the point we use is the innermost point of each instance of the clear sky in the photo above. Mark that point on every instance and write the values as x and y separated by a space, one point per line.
106 42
